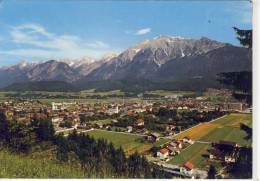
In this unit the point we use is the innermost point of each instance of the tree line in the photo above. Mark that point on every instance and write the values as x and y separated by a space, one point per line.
96 157
158 120
102 159
21 137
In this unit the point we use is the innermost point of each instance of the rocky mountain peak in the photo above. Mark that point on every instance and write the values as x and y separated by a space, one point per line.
77 62
149 59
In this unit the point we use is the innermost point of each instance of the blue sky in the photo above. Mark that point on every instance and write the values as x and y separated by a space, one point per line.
54 29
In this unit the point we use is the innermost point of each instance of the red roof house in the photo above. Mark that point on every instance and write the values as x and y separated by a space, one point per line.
188 165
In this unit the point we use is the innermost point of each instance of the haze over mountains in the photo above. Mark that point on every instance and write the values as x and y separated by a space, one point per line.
163 62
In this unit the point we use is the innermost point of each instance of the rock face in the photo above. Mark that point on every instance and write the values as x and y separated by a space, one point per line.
161 59
143 59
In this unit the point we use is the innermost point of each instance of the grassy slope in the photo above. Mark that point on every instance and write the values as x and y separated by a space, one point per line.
235 119
20 166
228 134
130 143
226 128
229 129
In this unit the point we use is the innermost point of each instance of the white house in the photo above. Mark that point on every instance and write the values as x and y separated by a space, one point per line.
187 169
230 159
129 129
56 120
188 140
163 153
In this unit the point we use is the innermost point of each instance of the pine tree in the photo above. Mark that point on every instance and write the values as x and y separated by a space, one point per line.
240 81
3 127
244 37
212 172
44 129
63 148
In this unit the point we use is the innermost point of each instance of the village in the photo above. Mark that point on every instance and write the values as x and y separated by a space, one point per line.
158 122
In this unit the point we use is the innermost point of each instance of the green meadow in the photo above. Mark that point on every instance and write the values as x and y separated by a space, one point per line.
226 128
192 154
129 142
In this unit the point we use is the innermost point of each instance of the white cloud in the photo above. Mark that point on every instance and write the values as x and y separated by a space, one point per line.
242 10
98 44
143 31
46 45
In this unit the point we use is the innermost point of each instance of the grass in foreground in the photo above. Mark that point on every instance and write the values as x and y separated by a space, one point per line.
20 166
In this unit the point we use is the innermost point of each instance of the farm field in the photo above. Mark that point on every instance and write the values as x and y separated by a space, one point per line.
92 101
114 96
193 154
228 134
168 93
225 128
81 97
197 132
130 143
235 119
3 96
92 92
19 166
104 121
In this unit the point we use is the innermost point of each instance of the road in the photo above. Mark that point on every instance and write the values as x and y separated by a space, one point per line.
166 167
204 142
92 129
174 169
197 173
64 130
136 134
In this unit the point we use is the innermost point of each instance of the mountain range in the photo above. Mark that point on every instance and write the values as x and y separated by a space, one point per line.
164 62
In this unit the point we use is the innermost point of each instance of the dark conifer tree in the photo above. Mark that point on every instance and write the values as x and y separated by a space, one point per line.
44 129
3 127
244 37
212 172
63 148
240 81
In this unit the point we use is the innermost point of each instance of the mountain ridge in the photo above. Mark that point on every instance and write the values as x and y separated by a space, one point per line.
161 59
